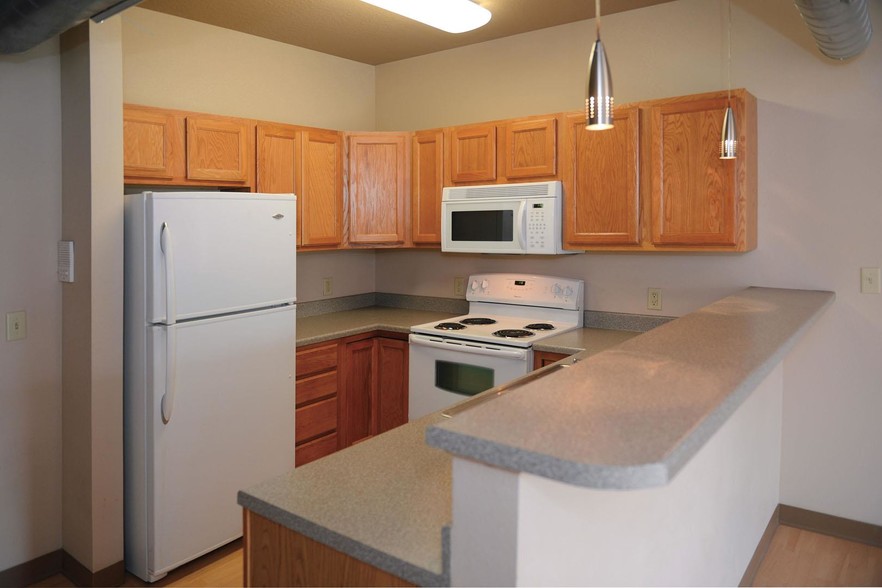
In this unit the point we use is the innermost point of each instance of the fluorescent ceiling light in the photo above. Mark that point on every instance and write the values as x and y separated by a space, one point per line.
453 16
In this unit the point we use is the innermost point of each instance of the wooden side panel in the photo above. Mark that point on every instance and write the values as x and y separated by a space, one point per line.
218 149
357 406
472 153
321 188
427 184
316 358
316 419
601 177
392 388
151 144
528 148
379 181
544 358
693 190
276 556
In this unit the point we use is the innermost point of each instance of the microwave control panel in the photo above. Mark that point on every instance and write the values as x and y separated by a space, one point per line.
543 225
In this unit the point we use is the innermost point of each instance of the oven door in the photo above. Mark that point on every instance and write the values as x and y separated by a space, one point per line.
446 371
483 226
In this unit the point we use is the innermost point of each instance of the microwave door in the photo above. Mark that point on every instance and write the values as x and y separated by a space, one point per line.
484 226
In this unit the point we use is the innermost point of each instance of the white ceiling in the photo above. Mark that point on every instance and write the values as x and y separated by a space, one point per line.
355 30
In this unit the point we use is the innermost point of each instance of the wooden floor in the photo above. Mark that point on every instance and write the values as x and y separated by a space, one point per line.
795 558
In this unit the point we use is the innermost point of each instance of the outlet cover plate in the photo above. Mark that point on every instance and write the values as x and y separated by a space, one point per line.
16 326
653 298
870 280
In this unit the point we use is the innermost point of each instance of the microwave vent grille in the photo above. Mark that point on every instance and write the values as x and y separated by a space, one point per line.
528 190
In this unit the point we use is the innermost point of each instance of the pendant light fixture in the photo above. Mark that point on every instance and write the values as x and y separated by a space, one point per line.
452 16
729 138
599 95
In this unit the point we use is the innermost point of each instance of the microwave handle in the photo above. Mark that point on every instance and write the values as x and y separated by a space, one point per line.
520 228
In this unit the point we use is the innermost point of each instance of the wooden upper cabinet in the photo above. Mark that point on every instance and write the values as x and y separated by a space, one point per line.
218 149
699 199
153 143
278 152
472 154
600 172
426 187
528 148
320 188
379 182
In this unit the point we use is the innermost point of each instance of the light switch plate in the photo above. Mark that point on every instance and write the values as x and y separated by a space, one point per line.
459 286
870 280
327 286
16 325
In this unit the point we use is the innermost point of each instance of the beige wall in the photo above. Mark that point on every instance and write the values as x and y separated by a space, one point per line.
30 369
177 63
91 105
819 211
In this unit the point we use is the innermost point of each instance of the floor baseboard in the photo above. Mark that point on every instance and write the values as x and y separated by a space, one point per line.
762 549
112 575
32 571
830 525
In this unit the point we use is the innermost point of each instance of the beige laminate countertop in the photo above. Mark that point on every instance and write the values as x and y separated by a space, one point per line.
324 327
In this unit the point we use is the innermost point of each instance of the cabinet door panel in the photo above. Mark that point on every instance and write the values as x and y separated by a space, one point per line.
693 190
321 188
473 153
150 147
276 157
392 390
529 148
601 181
359 381
428 182
217 149
378 187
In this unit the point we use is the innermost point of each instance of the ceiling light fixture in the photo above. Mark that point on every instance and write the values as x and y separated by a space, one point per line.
599 95
452 16
729 138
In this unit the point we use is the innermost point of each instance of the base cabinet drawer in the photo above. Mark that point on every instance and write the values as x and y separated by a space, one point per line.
316 419
315 449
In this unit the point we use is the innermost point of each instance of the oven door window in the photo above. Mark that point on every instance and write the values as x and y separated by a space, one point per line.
462 378
482 225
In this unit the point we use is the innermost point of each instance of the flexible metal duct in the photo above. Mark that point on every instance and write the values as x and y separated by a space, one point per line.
27 23
841 28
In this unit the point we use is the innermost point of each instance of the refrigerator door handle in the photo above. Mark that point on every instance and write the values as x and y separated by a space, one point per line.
165 243
171 368
168 399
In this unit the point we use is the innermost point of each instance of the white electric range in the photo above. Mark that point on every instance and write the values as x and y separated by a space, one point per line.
492 344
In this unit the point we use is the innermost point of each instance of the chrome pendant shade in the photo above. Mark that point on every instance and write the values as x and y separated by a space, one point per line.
599 91
729 138
599 97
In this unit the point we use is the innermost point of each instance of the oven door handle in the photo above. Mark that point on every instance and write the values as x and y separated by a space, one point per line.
476 348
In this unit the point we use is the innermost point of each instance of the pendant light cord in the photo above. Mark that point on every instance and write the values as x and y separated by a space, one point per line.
597 16
729 57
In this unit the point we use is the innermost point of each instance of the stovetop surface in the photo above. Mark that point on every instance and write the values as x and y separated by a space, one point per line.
504 330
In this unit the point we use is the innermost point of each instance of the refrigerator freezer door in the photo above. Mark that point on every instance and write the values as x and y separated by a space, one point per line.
232 251
232 427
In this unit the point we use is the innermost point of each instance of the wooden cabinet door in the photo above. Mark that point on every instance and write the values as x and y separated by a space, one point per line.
544 358
379 181
472 154
320 188
357 415
600 172
426 187
392 385
528 149
277 154
218 149
153 146
697 198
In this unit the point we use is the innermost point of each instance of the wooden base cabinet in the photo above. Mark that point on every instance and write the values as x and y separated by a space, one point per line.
315 421
544 358
277 556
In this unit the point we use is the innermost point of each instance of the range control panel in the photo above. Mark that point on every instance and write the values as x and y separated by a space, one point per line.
528 290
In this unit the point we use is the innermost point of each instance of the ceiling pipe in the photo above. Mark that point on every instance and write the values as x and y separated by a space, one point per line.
841 28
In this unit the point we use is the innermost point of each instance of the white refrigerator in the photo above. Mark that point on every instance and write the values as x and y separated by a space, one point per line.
209 366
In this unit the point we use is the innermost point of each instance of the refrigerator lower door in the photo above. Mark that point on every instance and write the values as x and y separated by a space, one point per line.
231 426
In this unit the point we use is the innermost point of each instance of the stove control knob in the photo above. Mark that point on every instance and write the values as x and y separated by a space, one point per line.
568 291
484 284
474 285
556 290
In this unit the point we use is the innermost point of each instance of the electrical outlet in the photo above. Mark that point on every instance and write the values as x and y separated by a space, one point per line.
327 286
16 325
870 280
653 299
459 286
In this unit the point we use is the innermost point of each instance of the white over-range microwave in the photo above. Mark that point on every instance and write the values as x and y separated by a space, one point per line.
502 218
